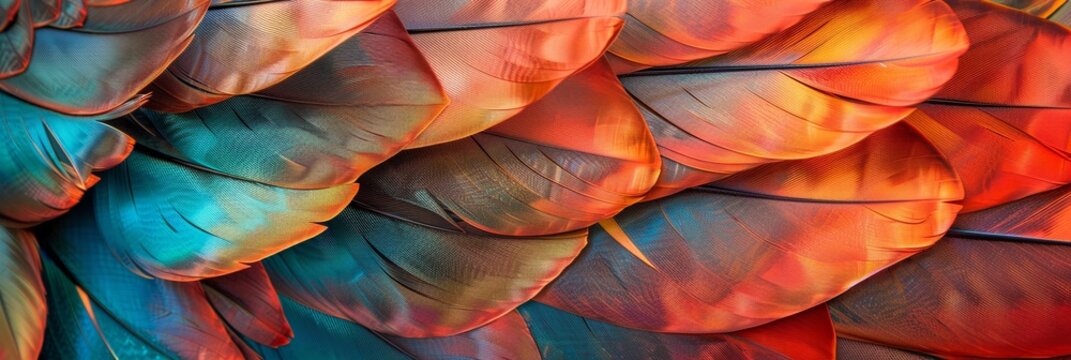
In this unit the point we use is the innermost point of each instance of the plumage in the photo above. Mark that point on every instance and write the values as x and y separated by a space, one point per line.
16 43
406 279
93 70
44 12
270 41
986 290
248 303
48 159
1001 121
662 33
72 14
561 335
332 121
333 338
579 155
496 57
22 296
329 338
848 349
765 244
843 72
99 309
1039 8
213 195
176 222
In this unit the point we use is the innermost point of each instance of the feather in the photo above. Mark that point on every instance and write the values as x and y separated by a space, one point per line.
16 44
93 71
273 40
333 338
1039 8
997 295
44 12
176 222
765 244
511 53
843 72
504 338
22 296
99 308
248 303
405 279
72 14
848 349
9 10
47 159
1001 121
561 335
662 33
374 94
328 338
579 155
330 122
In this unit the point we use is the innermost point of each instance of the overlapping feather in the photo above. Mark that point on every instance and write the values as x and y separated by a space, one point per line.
765 244
579 155
496 57
843 72
180 211
408 279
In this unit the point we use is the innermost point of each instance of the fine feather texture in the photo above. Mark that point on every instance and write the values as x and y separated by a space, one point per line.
1039 8
176 222
579 155
374 95
845 71
247 301
967 298
99 308
1001 121
561 335
514 52
329 123
661 33
849 349
332 338
269 40
765 244
48 159
97 70
22 296
16 43
410 280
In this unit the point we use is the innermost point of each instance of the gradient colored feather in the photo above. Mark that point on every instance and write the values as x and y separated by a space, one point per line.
97 68
980 292
375 95
845 71
331 122
579 155
406 279
1001 121
496 57
48 159
243 49
171 221
103 309
662 33
765 244
16 42
332 338
247 301
561 335
22 296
